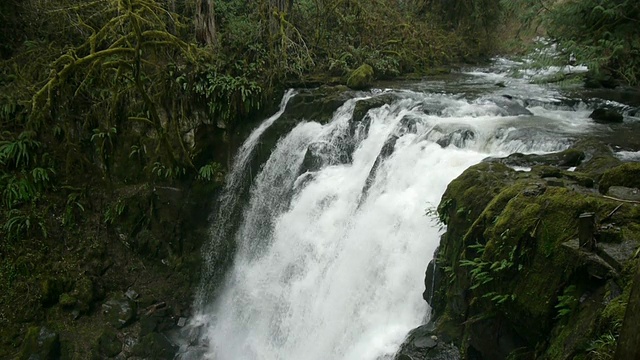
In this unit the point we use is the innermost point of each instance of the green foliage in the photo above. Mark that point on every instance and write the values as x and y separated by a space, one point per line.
603 34
228 97
604 347
72 207
567 302
480 272
209 172
18 152
21 224
114 211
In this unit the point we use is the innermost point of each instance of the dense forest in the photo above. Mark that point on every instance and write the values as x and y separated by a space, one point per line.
104 104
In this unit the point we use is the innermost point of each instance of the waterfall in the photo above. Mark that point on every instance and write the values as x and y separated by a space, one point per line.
215 249
330 258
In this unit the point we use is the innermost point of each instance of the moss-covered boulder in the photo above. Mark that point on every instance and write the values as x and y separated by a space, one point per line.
108 344
510 266
40 343
119 311
361 77
627 175
155 346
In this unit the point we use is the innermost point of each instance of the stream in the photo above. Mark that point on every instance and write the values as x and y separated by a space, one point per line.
334 232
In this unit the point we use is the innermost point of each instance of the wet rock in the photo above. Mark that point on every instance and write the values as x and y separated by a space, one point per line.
606 116
510 107
321 154
108 344
313 105
119 312
457 138
40 343
182 322
407 124
385 152
363 106
361 77
155 346
432 280
423 344
567 158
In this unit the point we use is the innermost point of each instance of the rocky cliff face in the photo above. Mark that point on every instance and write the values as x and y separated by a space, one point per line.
535 264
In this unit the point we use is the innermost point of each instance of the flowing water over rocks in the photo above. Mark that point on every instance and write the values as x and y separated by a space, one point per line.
330 248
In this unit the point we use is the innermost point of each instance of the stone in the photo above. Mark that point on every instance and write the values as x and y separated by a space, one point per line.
109 344
626 175
361 77
155 346
51 289
131 294
40 343
606 116
67 301
119 312
510 107
422 344
84 291
182 321
624 193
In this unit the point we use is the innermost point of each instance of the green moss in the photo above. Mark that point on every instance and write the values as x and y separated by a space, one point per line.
624 175
40 343
67 301
361 77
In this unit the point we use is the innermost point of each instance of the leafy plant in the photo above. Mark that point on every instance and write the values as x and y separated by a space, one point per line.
567 302
72 205
20 224
604 347
209 172
114 211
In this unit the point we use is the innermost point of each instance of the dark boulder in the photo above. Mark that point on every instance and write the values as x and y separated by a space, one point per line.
423 344
40 343
108 344
155 346
606 116
509 106
458 138
119 312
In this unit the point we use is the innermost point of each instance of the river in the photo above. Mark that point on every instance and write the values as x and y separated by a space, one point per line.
338 226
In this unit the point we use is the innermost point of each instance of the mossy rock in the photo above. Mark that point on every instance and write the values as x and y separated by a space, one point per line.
155 346
511 249
108 344
627 175
361 77
40 343
363 106
85 292
67 300
51 289
119 312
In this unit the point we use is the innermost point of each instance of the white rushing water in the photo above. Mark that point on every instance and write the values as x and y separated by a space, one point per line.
325 270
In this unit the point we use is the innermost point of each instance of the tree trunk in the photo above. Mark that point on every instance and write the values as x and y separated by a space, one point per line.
205 22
